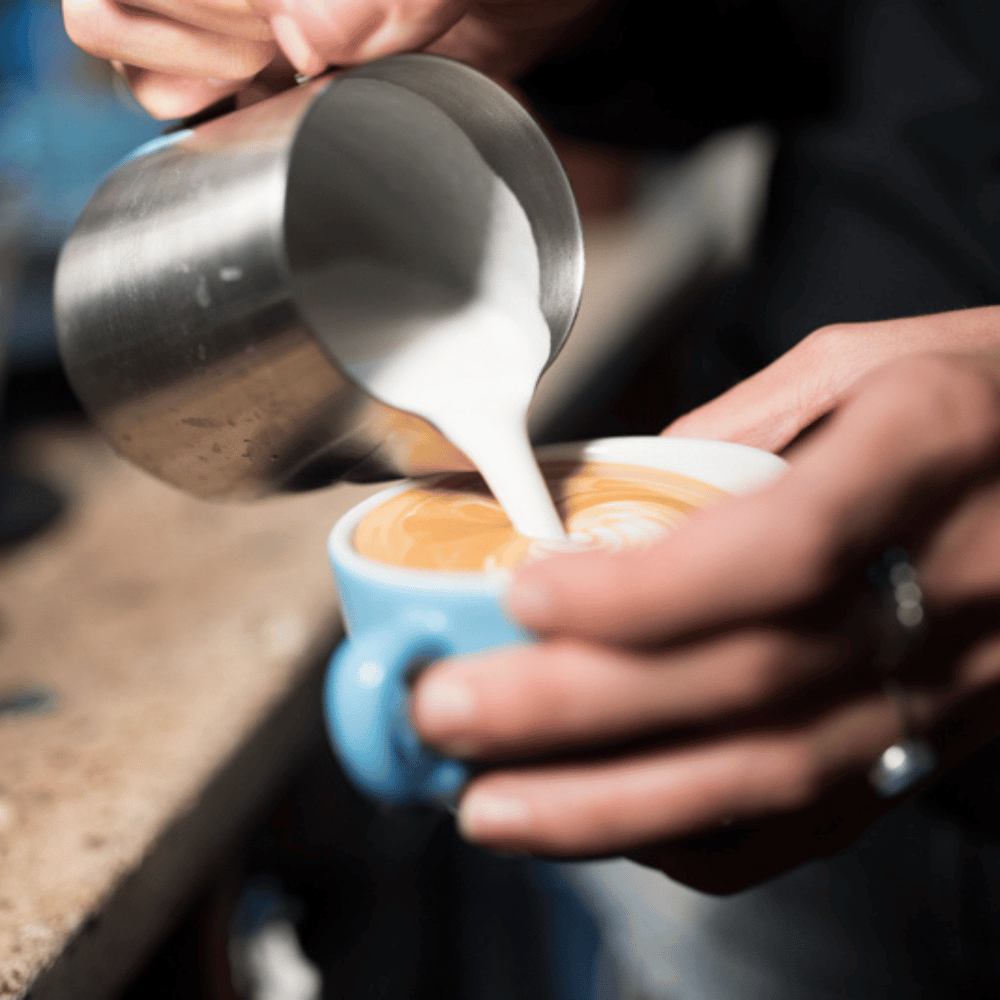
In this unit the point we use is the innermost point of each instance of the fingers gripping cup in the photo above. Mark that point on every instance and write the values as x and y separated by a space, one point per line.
399 620
422 577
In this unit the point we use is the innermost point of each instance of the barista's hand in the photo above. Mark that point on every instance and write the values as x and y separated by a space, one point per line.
178 56
182 55
716 689
777 404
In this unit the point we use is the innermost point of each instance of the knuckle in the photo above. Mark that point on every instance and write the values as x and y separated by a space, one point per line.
540 691
831 342
836 354
563 657
971 407
957 402
260 53
786 773
239 59
762 674
811 557
800 774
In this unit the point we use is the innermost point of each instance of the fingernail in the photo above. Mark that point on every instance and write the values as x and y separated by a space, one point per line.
445 702
293 43
529 599
483 814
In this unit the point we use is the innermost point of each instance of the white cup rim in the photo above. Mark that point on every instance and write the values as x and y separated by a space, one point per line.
735 468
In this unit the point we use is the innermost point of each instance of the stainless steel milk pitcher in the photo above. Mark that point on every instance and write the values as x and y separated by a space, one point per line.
202 294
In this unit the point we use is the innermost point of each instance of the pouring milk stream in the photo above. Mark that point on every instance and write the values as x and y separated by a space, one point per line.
472 371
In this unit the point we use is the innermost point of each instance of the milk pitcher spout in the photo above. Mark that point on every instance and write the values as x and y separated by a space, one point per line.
210 291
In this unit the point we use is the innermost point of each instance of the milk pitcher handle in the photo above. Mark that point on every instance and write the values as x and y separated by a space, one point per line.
366 697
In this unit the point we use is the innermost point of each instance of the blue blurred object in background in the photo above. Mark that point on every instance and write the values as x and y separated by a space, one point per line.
65 120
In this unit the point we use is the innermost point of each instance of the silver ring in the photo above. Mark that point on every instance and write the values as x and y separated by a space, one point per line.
911 759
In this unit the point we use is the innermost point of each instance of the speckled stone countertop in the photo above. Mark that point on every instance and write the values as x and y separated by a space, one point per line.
183 644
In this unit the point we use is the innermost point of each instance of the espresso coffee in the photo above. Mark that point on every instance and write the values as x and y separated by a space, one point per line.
455 523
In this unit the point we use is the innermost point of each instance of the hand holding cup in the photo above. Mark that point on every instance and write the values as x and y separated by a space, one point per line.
708 703
422 574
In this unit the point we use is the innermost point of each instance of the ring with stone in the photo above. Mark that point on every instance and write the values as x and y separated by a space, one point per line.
911 759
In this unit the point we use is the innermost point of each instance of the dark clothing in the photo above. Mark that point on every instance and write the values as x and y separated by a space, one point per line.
886 193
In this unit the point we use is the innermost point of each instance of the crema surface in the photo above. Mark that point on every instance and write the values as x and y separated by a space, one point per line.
456 524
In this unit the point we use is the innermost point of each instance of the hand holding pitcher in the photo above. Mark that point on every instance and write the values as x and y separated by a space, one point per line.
179 56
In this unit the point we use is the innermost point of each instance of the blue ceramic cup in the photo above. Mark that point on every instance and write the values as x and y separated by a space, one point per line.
398 619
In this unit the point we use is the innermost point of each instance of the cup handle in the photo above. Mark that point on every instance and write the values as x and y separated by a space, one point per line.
365 702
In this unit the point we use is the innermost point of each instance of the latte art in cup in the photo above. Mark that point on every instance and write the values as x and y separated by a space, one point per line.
454 524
